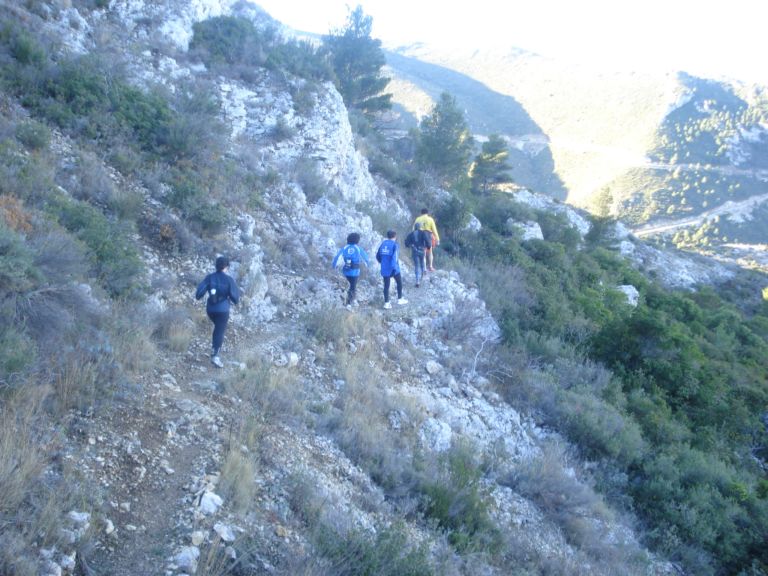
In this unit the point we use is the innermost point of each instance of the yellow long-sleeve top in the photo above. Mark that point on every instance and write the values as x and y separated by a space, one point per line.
428 223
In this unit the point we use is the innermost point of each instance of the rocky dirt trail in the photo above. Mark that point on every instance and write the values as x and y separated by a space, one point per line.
153 457
157 456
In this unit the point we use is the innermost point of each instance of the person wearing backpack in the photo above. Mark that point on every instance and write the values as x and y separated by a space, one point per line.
348 259
417 241
388 255
428 225
221 289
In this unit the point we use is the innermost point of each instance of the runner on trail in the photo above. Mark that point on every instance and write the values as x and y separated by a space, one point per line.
348 259
388 255
428 225
221 289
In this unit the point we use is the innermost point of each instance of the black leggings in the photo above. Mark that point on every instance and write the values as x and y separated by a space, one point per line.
219 320
398 281
352 286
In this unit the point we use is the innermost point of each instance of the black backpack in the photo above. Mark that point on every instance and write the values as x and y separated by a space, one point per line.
216 292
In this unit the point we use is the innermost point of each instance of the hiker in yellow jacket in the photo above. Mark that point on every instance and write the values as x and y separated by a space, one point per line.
428 225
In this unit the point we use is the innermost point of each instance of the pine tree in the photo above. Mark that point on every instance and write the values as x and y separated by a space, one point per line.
357 60
490 165
445 143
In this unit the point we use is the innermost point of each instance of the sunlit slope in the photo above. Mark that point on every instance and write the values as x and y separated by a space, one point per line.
599 125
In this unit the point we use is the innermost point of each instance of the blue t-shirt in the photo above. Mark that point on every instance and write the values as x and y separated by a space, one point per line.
350 258
388 255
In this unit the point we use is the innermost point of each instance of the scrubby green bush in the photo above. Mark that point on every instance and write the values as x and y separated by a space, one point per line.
17 270
116 260
17 353
21 45
237 43
388 552
33 135
454 498
309 178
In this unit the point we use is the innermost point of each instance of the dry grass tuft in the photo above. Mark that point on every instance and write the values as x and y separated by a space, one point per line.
175 329
35 494
237 480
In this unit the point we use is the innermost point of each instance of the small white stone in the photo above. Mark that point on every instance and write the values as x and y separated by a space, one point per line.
109 526
52 569
198 537
187 558
225 532
433 367
68 562
210 503
79 518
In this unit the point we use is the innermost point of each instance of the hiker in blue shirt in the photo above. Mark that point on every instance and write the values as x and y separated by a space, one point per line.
388 255
348 259
221 289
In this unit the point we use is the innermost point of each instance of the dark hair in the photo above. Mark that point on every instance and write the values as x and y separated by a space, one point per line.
391 234
353 238
424 211
221 263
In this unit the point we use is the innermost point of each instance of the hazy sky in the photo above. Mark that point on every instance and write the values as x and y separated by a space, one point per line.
703 37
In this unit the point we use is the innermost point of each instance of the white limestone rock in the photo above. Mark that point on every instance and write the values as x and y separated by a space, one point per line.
210 503
187 558
225 532
530 229
633 296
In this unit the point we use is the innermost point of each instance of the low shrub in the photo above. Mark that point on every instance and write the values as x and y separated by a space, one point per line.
175 329
309 178
579 511
17 354
211 217
233 43
131 333
387 552
454 498
18 272
273 390
33 135
238 474
29 178
282 130
117 262
361 425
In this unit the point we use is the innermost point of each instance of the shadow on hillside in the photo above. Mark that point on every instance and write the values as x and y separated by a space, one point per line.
487 112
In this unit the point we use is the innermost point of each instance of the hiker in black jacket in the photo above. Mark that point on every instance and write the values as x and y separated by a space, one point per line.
418 242
221 289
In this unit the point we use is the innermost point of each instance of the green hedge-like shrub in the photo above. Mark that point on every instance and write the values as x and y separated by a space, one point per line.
116 260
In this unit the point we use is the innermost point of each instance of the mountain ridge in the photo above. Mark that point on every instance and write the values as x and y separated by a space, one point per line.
607 133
